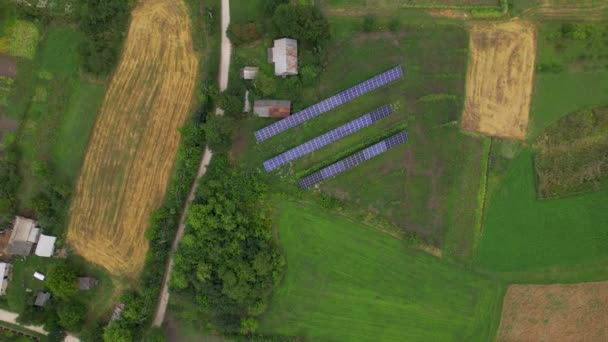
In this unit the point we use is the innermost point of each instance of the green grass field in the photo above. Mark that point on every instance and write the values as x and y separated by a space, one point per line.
346 281
60 113
562 239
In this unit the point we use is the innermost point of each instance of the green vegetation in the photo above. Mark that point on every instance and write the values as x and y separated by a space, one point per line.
557 237
346 281
104 24
227 260
24 36
573 155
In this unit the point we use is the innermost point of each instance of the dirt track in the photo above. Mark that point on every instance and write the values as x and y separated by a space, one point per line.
577 312
500 78
129 160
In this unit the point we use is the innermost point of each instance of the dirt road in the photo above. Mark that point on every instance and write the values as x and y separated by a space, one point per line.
223 81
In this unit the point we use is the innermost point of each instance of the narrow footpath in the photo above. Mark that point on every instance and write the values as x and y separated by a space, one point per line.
223 83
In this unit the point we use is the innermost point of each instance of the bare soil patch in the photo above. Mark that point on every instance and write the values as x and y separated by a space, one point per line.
576 312
128 164
8 66
500 78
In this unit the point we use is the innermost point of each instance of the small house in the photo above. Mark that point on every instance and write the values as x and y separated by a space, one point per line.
87 283
42 298
284 55
23 237
5 276
46 246
272 108
249 73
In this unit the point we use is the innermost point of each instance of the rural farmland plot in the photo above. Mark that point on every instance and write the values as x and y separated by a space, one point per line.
128 163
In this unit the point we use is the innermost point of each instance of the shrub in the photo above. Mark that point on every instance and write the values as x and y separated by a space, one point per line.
394 25
241 33
302 22
369 23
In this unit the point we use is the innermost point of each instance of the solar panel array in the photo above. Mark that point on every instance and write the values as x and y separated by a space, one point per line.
327 138
353 160
329 103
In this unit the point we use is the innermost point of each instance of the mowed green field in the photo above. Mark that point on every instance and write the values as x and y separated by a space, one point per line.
557 240
58 108
349 282
411 185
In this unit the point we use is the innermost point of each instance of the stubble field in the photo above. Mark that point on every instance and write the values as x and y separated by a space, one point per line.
558 312
499 78
128 163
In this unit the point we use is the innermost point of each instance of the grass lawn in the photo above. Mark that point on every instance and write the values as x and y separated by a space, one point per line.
409 185
346 281
23 37
23 270
559 240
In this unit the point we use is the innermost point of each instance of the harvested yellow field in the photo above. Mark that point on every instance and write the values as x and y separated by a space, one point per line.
499 78
131 153
574 312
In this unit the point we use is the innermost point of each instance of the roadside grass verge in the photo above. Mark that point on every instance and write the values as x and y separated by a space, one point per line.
346 281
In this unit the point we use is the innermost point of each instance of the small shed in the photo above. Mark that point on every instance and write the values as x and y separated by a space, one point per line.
117 312
39 276
249 73
87 283
5 276
46 246
272 108
42 298
23 237
284 55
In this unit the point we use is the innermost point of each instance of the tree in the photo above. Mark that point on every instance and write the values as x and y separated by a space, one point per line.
232 105
155 334
71 315
117 332
7 15
305 23
218 131
62 280
267 85
269 6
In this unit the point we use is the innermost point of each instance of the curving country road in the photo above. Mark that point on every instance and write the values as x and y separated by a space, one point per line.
223 83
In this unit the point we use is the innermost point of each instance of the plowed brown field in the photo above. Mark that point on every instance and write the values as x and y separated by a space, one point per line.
577 312
131 153
499 78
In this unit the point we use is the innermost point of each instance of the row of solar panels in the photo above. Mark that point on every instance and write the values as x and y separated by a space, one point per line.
327 138
328 104
353 160
335 134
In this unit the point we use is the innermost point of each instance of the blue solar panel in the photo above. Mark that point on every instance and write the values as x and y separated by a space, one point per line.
353 160
328 104
327 138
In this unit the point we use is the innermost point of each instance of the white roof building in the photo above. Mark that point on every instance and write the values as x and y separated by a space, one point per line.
249 72
284 55
5 274
46 246
23 237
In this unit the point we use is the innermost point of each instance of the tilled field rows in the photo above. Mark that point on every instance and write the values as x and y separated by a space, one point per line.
128 164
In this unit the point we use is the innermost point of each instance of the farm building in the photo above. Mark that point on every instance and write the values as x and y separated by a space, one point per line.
46 246
117 312
87 283
23 237
272 108
249 73
42 298
5 276
284 55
